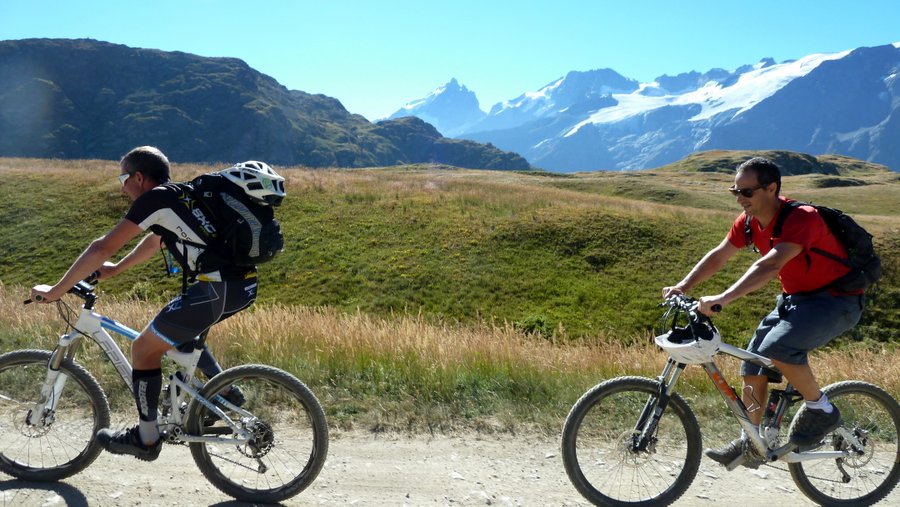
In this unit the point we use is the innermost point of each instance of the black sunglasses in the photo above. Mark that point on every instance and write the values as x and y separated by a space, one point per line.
746 192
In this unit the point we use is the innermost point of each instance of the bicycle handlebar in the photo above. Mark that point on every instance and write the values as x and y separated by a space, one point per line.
687 303
83 289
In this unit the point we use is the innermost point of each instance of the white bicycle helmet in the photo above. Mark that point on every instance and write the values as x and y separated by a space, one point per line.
258 180
695 343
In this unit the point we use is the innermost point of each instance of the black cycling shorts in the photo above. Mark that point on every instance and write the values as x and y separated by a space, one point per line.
204 304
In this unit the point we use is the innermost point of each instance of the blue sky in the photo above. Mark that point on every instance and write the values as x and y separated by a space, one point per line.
374 56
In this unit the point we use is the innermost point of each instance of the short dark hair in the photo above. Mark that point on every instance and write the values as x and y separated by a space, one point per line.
767 172
149 161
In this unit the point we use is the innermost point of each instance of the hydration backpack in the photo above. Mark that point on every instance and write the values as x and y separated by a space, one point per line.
241 231
864 264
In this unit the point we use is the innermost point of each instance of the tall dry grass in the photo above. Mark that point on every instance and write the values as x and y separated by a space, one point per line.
412 372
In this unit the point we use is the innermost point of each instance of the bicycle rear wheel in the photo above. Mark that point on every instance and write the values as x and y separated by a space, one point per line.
64 443
861 479
289 435
600 459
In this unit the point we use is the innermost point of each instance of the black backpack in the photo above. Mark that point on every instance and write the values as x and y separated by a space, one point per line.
242 231
864 264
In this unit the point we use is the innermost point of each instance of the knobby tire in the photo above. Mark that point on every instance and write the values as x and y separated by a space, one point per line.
291 436
597 452
869 410
67 445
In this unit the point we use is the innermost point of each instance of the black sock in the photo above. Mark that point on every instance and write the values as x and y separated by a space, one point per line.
146 385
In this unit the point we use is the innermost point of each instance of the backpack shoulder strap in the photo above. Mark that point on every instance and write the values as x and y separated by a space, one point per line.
782 216
748 234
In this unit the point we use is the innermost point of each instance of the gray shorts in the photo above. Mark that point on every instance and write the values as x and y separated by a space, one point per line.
204 304
798 324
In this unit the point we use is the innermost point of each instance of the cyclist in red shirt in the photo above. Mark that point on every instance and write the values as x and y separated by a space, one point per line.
806 316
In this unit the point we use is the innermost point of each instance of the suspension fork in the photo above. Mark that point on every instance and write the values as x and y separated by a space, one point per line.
645 429
41 413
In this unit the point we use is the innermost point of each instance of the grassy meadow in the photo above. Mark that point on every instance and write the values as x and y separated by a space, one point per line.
426 297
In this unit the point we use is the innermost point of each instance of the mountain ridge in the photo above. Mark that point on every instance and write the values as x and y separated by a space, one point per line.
81 98
844 103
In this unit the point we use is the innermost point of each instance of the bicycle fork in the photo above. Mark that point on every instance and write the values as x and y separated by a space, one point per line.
42 412
643 438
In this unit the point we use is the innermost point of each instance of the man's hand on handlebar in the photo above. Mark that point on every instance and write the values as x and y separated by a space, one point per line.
107 270
44 294
671 291
47 294
711 305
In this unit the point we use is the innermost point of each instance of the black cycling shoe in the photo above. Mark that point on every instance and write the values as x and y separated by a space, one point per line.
128 441
733 455
813 425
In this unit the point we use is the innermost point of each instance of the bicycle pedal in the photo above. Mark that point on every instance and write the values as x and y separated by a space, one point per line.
782 451
736 462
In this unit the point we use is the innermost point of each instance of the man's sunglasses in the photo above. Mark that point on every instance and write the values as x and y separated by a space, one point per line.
746 192
123 178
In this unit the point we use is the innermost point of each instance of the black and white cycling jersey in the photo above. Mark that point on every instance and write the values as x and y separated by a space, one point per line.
169 211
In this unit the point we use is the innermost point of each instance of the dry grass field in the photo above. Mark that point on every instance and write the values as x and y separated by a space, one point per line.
432 297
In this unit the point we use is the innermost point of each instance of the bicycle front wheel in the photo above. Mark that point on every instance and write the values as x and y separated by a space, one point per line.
58 443
289 435
865 478
599 453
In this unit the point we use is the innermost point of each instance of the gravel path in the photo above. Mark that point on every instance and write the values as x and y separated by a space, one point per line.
394 470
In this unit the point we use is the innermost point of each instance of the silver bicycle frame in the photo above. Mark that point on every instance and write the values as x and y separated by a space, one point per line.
95 326
786 452
92 325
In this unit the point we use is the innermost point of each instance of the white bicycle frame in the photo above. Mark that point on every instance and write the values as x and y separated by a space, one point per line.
95 326
757 434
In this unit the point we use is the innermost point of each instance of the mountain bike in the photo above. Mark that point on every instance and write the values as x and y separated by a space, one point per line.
266 447
634 441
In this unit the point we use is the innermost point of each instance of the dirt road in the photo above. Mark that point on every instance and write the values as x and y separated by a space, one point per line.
393 470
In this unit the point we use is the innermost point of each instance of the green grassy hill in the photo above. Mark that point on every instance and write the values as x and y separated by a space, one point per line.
791 163
567 256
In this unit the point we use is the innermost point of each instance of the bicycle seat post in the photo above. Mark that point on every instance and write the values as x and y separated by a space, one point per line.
200 342
776 408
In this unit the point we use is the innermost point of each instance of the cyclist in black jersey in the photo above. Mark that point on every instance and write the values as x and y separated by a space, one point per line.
213 296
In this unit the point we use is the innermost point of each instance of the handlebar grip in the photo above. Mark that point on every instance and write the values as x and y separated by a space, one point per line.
36 299
716 308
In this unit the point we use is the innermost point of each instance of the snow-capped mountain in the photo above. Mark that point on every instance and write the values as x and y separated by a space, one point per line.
845 103
451 108
577 91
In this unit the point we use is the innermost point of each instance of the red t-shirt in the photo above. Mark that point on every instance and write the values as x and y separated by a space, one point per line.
807 271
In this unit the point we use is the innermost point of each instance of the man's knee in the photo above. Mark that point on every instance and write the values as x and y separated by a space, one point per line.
147 350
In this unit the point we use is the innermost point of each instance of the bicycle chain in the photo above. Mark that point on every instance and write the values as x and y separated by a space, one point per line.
182 442
785 469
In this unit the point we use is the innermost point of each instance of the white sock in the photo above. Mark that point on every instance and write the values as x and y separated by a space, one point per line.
149 431
821 404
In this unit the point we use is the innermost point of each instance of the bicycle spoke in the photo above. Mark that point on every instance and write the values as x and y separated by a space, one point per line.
864 478
598 446
287 436
62 445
